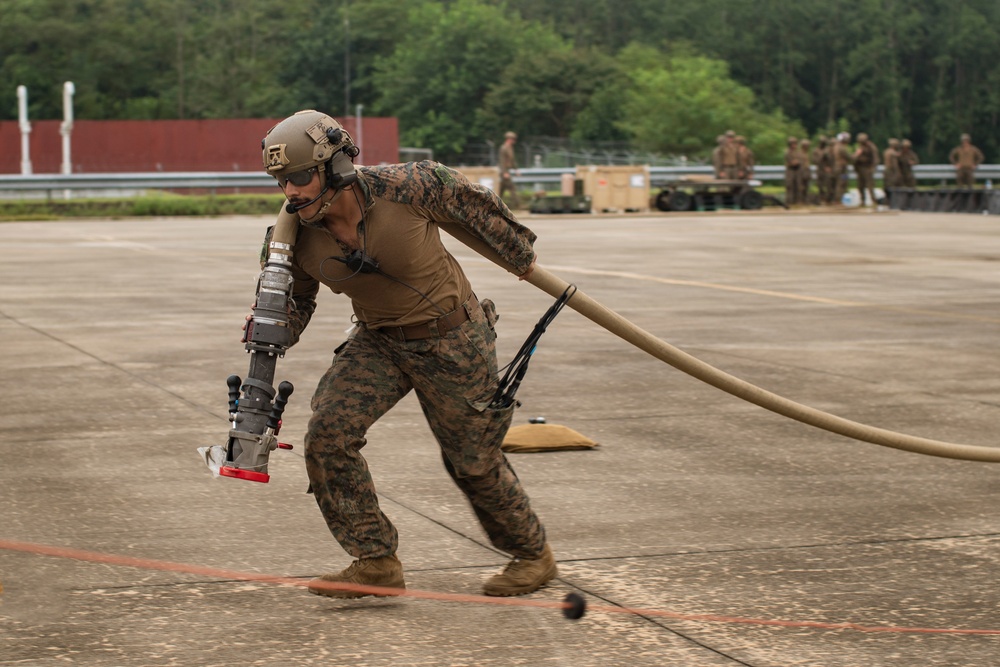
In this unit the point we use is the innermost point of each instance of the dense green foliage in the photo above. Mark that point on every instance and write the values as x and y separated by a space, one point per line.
664 75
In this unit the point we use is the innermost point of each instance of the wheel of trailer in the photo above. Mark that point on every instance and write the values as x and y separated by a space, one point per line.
751 200
662 201
679 201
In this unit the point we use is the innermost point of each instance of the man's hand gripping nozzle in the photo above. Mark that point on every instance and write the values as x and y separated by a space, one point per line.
255 408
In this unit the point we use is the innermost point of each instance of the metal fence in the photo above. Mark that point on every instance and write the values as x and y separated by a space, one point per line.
555 152
537 178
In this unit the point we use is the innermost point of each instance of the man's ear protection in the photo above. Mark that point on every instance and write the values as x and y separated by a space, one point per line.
341 165
341 169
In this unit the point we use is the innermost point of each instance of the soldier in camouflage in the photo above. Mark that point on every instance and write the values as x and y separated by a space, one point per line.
892 174
374 236
966 158
508 169
907 160
866 158
793 182
843 158
822 157
729 157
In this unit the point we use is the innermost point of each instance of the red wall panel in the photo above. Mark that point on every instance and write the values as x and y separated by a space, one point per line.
105 146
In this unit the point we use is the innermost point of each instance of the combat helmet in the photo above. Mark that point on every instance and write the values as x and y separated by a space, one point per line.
310 141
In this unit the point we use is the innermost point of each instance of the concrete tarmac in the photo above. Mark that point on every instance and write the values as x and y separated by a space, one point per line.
738 536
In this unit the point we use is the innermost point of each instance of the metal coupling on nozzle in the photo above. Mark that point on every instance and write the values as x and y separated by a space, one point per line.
247 451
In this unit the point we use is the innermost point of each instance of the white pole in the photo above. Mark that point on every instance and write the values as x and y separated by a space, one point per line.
357 125
67 129
25 126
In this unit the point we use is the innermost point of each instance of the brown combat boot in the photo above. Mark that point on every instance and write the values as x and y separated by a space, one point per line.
385 571
523 575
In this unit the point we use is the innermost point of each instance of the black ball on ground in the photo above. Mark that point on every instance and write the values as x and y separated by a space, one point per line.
575 607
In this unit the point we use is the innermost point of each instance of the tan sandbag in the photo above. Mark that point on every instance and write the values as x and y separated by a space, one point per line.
544 438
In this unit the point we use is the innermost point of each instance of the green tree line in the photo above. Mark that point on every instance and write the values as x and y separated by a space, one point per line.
663 75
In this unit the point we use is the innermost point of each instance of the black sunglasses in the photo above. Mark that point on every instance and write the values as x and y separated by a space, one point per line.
297 178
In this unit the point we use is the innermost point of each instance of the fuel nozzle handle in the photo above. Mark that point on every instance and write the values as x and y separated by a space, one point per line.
234 383
284 391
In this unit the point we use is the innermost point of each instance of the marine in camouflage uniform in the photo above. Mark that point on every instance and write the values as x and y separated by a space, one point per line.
842 159
793 182
907 159
453 372
965 158
865 161
729 157
508 167
419 327
891 166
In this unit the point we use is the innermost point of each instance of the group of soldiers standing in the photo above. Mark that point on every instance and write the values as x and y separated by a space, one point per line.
833 157
732 158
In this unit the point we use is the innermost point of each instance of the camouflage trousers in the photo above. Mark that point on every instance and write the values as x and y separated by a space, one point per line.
965 177
866 183
793 187
455 377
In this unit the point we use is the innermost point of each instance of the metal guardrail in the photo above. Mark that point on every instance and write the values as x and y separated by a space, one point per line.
14 183
138 181
659 176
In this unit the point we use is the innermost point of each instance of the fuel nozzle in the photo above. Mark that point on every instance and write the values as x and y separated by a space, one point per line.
255 407
254 433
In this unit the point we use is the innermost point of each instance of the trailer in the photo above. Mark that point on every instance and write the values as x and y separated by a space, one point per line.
694 193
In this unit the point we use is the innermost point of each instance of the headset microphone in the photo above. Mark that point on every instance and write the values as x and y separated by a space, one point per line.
295 208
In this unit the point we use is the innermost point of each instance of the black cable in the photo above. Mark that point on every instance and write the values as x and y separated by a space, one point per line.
504 396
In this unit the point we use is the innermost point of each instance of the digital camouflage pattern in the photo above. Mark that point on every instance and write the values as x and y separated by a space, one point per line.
455 377
448 196
866 159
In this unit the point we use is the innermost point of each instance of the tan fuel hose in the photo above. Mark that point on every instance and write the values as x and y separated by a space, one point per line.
682 361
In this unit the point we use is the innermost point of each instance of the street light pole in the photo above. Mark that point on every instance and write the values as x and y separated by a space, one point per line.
25 127
67 129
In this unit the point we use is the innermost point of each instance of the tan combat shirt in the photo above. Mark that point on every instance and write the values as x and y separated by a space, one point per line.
842 156
966 157
729 156
405 206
